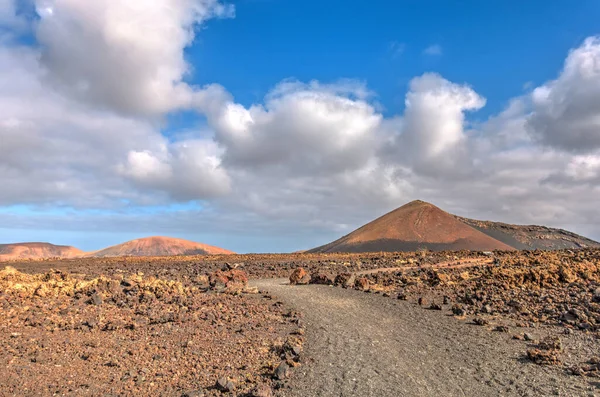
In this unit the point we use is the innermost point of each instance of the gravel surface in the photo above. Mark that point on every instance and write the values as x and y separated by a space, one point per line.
360 344
132 335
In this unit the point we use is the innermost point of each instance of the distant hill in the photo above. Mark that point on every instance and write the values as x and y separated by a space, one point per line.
420 225
159 246
37 251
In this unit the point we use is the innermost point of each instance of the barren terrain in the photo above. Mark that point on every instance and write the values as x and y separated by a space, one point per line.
407 324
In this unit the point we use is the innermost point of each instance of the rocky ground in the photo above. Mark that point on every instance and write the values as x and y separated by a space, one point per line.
185 268
176 325
132 334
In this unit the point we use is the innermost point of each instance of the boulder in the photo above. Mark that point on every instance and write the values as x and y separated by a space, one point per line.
320 278
362 284
230 281
345 280
299 277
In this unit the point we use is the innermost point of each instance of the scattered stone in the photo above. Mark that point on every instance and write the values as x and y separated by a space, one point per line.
345 280
96 299
225 385
299 277
547 352
281 372
501 328
435 306
261 391
480 321
231 281
528 337
362 284
320 278
458 310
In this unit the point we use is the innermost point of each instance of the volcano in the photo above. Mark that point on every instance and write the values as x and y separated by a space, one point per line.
421 225
37 251
159 246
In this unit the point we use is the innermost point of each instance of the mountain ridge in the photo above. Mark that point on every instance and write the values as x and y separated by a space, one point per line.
158 246
37 250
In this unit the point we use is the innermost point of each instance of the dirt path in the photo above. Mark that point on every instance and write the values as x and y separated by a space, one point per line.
446 265
365 345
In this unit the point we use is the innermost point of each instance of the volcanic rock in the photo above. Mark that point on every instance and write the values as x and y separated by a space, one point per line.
299 277
281 372
320 278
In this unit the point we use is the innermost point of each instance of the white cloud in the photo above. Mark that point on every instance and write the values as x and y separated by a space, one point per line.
432 138
566 111
301 129
187 170
123 55
433 50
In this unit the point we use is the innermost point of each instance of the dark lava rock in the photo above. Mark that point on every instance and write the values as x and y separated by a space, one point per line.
225 385
458 310
320 278
281 372
96 299
345 280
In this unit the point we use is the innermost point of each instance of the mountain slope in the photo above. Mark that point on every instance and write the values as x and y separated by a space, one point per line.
414 226
159 246
531 236
37 251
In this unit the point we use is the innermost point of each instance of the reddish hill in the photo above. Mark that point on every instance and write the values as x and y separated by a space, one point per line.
159 246
414 226
37 251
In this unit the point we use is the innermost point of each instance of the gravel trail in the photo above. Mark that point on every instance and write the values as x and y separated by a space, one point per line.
362 344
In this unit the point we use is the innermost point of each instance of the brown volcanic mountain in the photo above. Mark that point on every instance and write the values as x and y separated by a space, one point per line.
159 246
414 226
37 251
419 225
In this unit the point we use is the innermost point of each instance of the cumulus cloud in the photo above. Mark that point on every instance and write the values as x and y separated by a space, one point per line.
123 55
187 170
303 129
53 150
566 111
433 136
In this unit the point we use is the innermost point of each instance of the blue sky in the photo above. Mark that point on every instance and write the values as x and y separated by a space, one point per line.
495 46
244 124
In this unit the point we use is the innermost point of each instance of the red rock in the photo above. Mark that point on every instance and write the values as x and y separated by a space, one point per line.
299 277
232 281
362 284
